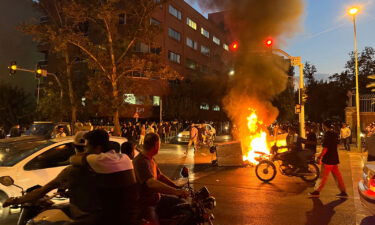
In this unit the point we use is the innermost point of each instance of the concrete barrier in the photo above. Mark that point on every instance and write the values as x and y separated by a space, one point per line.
229 154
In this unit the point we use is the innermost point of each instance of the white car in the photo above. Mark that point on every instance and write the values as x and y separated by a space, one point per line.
184 136
33 160
366 187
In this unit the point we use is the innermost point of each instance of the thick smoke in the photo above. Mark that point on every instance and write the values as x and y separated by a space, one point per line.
259 76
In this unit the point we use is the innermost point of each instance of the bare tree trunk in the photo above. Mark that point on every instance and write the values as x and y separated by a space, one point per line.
70 88
116 116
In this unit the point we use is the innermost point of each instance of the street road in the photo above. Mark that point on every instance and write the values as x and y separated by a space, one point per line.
243 199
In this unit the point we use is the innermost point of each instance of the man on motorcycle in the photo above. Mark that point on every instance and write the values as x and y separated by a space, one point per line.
293 143
157 190
84 205
310 148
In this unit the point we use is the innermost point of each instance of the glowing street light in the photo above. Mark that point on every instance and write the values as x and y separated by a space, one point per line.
231 72
353 12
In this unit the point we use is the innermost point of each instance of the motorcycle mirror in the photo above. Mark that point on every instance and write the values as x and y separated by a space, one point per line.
185 172
6 181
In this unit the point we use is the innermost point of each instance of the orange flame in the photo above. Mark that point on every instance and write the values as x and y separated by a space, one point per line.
256 141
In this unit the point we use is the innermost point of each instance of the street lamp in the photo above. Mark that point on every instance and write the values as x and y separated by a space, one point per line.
353 12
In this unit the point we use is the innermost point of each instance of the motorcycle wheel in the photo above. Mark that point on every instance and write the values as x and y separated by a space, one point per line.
265 171
314 169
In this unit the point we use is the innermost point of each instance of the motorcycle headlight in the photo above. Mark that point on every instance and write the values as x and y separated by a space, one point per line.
210 203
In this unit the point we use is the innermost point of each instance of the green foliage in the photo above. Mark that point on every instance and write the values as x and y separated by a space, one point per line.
16 106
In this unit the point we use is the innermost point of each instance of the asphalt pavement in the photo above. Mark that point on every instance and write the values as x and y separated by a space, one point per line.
242 199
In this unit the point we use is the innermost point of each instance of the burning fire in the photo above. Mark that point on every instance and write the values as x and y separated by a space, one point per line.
256 139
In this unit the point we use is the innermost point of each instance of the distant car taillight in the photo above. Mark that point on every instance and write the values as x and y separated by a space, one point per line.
371 184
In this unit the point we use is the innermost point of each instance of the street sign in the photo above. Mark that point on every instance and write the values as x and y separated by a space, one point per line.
295 61
136 115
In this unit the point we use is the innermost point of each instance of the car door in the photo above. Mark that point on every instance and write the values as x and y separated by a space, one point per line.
47 165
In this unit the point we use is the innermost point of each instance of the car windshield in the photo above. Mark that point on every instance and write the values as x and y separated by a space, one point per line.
12 153
40 129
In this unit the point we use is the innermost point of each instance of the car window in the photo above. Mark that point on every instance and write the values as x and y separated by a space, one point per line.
55 157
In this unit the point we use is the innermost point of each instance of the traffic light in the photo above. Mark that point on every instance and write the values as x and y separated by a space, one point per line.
234 46
303 96
372 84
268 42
39 72
12 68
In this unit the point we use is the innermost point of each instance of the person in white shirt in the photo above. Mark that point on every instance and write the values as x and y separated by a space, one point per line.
345 134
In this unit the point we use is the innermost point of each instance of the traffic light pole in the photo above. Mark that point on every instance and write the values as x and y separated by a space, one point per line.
302 114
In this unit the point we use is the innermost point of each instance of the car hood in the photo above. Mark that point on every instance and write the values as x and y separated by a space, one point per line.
370 166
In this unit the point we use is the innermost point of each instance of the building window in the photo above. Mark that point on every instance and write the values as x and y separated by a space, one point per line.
204 106
216 40
216 108
191 23
173 11
205 33
122 18
154 22
191 43
156 100
130 99
174 57
191 64
205 50
174 34
226 47
141 47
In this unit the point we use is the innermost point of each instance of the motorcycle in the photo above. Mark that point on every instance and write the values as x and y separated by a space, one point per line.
200 203
267 163
39 211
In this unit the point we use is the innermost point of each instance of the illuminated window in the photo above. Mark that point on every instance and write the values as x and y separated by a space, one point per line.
174 34
205 50
154 22
174 57
156 100
204 106
173 11
216 108
191 23
216 40
205 33
130 99
191 64
226 47
191 43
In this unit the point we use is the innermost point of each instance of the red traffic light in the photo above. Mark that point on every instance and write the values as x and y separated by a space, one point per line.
269 42
234 46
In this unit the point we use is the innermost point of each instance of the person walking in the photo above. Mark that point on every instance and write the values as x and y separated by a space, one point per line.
193 138
345 133
329 158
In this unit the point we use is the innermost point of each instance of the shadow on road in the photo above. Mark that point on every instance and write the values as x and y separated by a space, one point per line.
370 220
322 214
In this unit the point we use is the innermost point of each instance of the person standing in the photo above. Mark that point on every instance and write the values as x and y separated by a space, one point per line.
370 144
329 158
345 133
193 138
142 135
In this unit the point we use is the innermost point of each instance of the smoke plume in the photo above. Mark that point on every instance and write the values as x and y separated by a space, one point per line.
259 76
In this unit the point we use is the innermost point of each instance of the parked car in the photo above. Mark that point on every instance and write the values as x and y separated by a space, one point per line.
33 160
366 187
184 136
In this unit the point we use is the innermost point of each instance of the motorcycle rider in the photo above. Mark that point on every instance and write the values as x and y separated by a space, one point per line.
114 178
84 206
157 190
310 148
293 143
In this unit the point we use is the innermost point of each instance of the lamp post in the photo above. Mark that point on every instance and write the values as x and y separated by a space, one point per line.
353 12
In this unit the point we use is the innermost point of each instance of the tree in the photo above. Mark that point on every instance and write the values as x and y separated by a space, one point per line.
16 107
106 33
51 33
309 71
